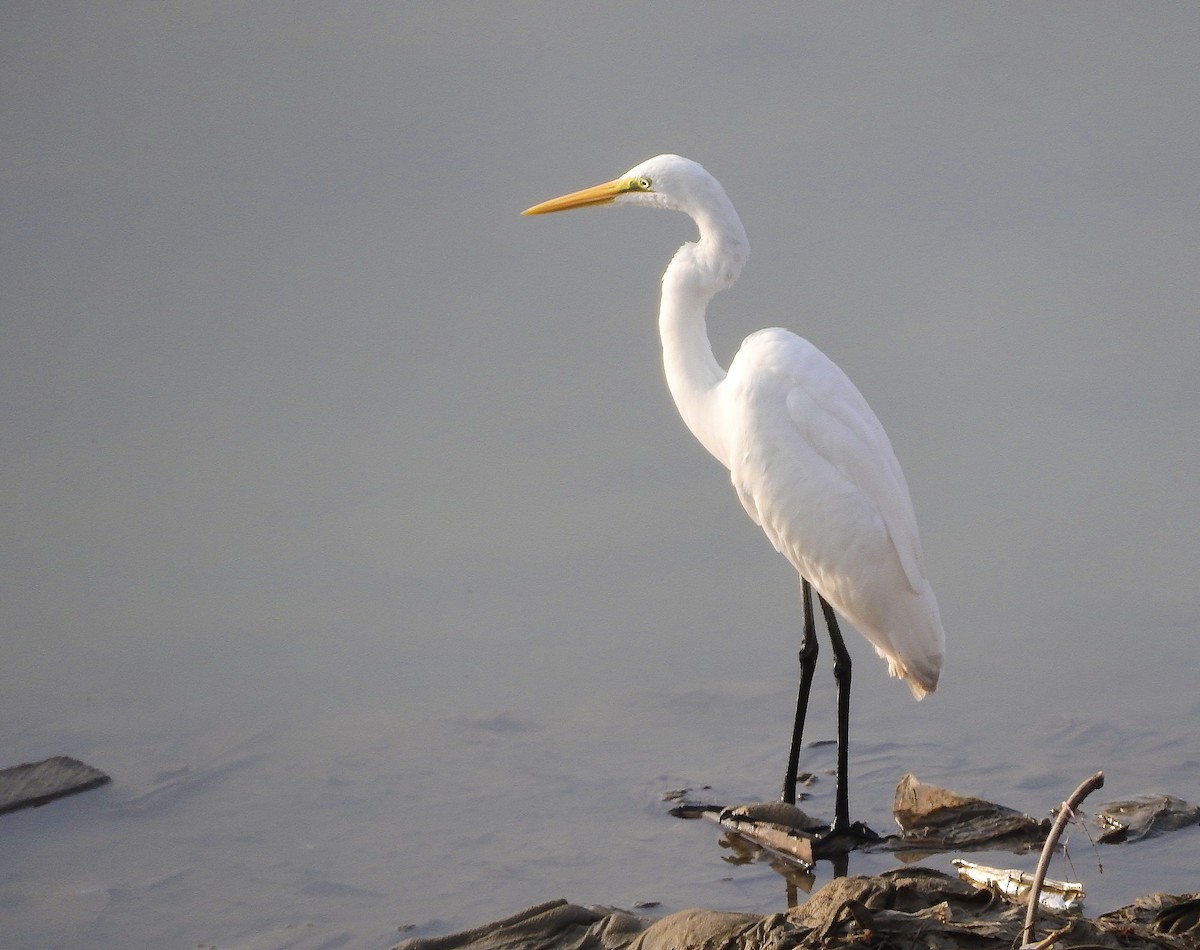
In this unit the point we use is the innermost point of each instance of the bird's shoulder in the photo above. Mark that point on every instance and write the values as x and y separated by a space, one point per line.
773 345
776 362
791 405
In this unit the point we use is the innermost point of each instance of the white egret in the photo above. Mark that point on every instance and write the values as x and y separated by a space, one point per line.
808 458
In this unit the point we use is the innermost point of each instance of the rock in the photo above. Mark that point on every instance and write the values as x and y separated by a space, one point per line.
934 817
554 924
1145 817
36 783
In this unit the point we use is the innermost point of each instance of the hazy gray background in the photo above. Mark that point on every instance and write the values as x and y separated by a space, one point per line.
347 521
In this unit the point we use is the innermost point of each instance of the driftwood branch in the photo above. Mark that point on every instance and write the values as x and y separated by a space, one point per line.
1064 815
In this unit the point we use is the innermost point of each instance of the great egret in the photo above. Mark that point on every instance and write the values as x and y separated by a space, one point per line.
808 458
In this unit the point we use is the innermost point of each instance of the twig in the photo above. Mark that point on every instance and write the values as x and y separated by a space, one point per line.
1064 815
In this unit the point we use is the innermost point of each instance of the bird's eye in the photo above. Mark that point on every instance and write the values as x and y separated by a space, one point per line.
643 184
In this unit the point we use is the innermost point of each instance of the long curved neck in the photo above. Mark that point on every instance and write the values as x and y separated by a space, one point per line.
695 275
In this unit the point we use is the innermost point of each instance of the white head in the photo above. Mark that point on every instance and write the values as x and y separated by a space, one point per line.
665 181
676 183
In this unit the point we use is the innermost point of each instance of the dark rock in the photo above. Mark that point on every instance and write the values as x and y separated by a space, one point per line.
1145 817
36 783
940 819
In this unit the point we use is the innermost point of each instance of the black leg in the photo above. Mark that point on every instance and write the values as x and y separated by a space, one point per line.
841 674
808 665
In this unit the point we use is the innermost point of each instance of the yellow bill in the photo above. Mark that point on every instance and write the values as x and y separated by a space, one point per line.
596 195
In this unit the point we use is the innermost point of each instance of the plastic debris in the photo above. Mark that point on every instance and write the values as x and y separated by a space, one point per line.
1060 897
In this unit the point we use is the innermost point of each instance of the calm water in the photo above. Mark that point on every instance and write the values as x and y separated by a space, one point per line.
345 811
347 523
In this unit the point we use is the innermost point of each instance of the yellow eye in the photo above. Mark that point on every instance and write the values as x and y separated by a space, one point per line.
643 184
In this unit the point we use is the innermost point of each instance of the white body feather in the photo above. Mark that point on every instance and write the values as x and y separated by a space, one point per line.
808 458
814 468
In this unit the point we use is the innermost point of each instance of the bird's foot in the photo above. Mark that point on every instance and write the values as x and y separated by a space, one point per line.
842 838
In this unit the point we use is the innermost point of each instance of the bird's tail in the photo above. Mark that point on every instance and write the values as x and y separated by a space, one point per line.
915 645
921 680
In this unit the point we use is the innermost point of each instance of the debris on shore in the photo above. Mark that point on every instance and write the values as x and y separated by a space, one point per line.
983 909
904 907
